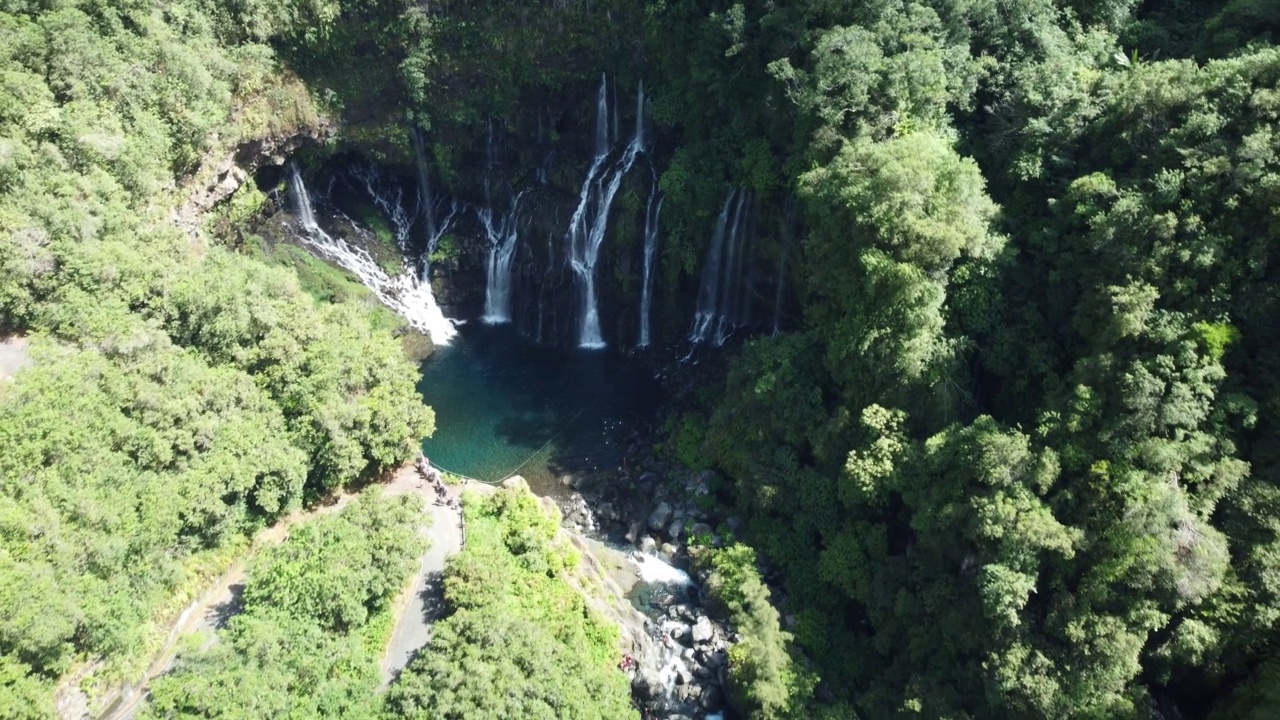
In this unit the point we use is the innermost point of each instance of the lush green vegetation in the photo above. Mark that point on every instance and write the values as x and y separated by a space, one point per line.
313 626
1017 459
762 674
183 395
521 642
1020 458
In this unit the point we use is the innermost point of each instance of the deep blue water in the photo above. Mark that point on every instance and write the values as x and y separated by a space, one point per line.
504 405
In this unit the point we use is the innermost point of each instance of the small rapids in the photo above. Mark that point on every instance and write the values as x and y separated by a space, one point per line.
656 571
662 586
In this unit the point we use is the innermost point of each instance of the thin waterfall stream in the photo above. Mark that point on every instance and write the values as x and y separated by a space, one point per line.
653 210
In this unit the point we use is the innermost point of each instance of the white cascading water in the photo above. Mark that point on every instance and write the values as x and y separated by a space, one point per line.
656 571
652 212
430 206
503 236
390 202
590 220
715 316
404 293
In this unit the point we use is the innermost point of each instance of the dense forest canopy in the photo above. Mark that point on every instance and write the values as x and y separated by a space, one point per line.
1015 453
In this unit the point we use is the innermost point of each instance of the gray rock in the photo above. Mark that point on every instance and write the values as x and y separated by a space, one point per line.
647 685
702 630
515 481
649 478
633 532
648 544
669 551
566 480
716 659
660 517
678 632
676 528
700 529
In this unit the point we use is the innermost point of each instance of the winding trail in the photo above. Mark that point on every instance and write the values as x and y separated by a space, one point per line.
424 603
419 606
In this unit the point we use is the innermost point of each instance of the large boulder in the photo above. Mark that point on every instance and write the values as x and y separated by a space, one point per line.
703 630
675 529
515 482
647 685
660 517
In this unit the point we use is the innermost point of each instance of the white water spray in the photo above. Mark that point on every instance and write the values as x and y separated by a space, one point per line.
503 236
656 571
590 220
404 293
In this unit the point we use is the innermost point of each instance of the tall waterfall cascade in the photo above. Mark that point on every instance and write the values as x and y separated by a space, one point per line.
719 295
406 293
590 220
502 233
652 211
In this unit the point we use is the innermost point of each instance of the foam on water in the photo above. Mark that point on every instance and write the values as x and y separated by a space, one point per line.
657 571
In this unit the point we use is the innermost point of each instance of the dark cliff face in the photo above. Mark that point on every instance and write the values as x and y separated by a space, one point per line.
543 159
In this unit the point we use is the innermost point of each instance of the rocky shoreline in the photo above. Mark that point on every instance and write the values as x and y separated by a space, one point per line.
657 516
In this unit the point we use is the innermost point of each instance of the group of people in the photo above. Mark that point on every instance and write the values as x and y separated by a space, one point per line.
432 476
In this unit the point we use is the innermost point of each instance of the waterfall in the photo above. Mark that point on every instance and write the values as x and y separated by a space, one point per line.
390 202
425 201
590 220
502 234
719 294
405 293
442 229
651 213
704 316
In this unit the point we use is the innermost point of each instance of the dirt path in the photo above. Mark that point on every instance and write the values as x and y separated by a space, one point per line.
425 601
